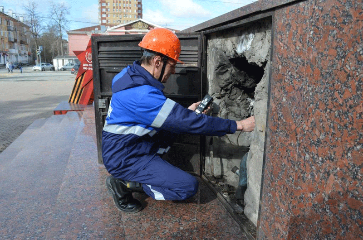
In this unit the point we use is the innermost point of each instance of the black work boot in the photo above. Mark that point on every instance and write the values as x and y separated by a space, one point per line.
122 196
133 186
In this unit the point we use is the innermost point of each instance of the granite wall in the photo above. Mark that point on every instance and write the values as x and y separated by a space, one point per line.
312 184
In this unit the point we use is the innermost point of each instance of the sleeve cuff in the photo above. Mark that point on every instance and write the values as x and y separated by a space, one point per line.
233 127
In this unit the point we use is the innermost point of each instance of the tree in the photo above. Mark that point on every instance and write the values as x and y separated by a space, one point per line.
49 42
58 14
33 20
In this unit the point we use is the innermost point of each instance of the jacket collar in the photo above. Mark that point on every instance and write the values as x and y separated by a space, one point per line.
143 72
134 76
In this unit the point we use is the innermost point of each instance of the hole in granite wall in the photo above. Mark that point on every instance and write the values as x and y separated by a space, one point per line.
252 74
238 63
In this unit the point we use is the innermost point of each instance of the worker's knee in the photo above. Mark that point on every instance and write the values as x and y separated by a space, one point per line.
192 189
195 186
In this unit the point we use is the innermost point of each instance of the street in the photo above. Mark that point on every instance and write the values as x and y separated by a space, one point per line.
28 96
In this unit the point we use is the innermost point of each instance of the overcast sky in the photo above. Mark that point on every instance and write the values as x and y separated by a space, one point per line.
177 14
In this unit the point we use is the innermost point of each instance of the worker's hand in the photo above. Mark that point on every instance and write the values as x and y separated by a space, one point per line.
246 125
195 105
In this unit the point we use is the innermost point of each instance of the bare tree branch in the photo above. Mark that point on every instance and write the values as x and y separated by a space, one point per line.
33 20
58 14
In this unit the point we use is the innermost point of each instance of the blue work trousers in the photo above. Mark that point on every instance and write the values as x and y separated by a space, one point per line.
163 181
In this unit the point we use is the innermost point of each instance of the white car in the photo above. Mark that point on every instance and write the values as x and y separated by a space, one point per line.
44 67
68 66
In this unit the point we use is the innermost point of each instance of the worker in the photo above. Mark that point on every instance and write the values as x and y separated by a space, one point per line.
141 124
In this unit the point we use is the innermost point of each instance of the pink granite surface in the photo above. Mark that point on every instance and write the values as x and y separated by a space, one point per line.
312 186
56 190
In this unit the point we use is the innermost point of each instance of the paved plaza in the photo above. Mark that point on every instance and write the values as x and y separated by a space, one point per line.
28 96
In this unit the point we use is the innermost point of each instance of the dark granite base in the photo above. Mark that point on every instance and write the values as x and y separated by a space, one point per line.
64 107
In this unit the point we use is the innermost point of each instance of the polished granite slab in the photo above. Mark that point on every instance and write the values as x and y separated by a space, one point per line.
65 106
55 189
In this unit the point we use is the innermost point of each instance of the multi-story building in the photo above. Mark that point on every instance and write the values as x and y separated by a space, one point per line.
14 38
115 12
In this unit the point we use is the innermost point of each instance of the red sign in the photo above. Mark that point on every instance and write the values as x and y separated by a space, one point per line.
85 74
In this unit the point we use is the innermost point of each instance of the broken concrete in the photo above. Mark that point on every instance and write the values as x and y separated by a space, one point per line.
238 72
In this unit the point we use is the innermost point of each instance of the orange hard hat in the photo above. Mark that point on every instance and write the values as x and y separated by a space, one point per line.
162 41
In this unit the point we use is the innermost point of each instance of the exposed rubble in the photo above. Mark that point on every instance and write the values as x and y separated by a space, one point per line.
238 72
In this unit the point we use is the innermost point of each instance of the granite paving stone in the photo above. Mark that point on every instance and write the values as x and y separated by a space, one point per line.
55 189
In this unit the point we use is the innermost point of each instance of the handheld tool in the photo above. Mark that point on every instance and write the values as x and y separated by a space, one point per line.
204 104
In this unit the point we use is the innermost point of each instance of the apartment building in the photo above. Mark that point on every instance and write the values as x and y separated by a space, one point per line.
115 12
14 38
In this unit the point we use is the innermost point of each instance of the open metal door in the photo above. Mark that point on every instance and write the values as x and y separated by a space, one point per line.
185 87
110 54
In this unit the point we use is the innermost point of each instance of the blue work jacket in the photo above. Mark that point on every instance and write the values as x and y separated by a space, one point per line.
140 119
